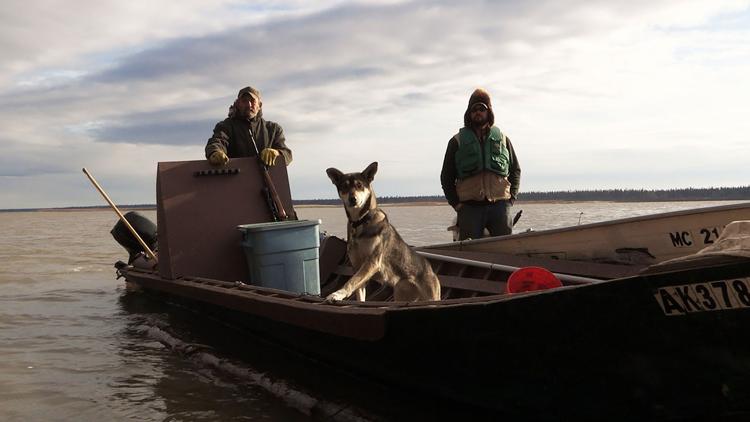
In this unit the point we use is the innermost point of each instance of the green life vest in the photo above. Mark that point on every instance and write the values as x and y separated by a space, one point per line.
473 156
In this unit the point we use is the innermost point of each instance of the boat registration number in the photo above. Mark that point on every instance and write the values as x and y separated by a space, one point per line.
704 297
687 239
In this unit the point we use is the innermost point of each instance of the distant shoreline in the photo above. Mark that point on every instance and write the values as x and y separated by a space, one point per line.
739 193
381 203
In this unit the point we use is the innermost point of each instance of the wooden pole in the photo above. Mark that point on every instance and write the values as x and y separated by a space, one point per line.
122 217
573 279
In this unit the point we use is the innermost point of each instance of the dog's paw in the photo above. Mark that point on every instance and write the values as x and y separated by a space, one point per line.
337 295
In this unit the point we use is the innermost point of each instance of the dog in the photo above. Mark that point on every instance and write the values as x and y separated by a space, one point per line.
375 248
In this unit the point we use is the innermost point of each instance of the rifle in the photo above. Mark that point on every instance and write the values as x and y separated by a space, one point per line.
269 190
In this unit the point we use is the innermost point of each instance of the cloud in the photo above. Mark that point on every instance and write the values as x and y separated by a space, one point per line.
16 166
575 84
49 33
181 125
169 132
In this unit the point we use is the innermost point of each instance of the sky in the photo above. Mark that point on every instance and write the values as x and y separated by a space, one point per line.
636 94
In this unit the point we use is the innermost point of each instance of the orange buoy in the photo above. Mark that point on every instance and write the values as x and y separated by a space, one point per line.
528 279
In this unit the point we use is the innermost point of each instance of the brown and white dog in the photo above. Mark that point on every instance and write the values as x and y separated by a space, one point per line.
375 249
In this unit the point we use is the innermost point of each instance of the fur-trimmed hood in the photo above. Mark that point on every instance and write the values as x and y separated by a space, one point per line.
479 96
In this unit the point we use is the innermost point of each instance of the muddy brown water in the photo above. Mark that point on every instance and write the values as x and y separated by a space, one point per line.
74 345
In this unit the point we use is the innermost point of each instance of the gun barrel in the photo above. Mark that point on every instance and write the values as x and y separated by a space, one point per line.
277 208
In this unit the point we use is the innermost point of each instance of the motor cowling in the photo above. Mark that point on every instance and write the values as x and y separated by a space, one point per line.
145 228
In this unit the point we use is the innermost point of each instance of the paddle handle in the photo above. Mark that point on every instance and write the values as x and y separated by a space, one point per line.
572 279
145 247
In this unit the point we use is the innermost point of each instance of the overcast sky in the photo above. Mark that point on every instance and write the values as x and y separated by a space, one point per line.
593 94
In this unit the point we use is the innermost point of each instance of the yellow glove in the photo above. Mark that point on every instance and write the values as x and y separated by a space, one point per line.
218 158
269 155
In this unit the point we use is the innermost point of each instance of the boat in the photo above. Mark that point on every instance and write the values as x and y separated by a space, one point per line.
648 239
613 342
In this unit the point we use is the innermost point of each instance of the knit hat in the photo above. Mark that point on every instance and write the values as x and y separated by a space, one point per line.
479 96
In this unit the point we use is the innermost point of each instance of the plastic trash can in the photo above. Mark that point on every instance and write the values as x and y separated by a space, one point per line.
283 255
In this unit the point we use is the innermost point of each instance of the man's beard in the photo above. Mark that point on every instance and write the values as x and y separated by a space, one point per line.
248 113
245 111
479 121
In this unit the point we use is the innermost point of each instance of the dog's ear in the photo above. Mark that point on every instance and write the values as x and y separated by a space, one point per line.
369 172
334 174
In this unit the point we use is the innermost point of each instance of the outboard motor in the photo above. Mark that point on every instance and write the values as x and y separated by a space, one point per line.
143 226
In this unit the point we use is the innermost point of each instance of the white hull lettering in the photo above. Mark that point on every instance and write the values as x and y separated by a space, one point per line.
703 297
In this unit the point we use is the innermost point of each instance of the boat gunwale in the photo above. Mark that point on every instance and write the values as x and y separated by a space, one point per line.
307 301
370 321
344 306
626 220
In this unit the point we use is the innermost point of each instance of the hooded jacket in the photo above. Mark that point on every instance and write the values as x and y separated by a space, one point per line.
232 136
484 186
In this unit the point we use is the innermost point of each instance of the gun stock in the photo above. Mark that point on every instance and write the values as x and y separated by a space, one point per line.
275 205
274 195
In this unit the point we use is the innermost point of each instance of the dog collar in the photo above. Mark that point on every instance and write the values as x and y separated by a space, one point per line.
364 219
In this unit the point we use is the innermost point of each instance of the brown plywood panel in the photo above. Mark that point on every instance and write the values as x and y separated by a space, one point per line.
198 215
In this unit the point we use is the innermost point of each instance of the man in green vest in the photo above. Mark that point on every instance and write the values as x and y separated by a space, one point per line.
481 174
231 138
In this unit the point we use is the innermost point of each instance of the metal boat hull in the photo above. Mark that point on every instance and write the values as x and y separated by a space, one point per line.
602 350
637 240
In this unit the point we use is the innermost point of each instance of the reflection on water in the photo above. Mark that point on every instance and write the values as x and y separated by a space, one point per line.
166 379
75 346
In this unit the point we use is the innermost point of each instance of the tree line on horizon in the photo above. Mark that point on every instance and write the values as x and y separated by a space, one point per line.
614 195
643 195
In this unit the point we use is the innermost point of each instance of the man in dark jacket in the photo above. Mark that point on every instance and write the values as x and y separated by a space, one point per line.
481 174
231 138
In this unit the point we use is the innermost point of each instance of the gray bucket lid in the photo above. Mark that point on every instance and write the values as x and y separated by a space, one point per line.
277 225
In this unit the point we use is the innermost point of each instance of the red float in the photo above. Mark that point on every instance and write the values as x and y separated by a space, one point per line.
528 279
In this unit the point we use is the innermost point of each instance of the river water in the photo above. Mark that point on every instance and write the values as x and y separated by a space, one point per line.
75 345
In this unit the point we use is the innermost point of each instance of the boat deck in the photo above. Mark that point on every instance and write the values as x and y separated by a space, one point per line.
465 274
